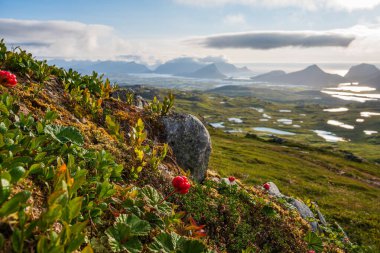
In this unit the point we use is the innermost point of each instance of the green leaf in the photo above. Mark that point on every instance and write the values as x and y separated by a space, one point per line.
165 243
75 206
17 173
87 249
4 109
192 246
12 205
314 242
154 199
168 243
65 134
5 190
137 226
16 240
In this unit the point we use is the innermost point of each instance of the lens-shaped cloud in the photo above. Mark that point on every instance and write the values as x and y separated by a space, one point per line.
272 40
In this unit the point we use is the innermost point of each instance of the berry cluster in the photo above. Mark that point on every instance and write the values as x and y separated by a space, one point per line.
7 79
181 184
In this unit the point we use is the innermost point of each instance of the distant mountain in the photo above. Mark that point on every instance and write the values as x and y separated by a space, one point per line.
364 74
180 66
310 76
105 67
270 76
228 68
209 71
185 65
114 67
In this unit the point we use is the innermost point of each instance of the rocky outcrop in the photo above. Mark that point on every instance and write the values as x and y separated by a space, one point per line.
190 142
301 207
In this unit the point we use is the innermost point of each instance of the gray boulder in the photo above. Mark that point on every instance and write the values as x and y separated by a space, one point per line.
305 212
190 141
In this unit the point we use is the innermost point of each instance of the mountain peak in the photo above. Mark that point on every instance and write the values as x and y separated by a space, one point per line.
364 73
314 67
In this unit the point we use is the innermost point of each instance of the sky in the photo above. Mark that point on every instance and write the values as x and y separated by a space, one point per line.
154 31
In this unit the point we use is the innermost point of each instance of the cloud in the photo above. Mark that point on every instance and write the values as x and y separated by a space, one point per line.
234 19
272 40
348 5
65 39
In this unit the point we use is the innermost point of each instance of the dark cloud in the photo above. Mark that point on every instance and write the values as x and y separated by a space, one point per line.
271 40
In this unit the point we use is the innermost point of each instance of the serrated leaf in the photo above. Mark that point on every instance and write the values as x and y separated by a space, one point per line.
155 199
65 134
137 226
168 243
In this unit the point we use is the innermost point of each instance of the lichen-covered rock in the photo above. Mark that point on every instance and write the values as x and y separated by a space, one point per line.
273 190
121 94
305 212
190 141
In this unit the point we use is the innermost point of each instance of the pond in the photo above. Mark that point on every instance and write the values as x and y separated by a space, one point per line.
217 125
272 130
340 109
370 132
285 121
339 124
328 136
235 120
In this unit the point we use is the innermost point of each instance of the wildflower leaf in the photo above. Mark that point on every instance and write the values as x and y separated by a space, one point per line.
155 199
168 243
65 134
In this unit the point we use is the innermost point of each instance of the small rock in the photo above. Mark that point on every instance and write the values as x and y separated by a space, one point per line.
121 94
320 215
273 190
190 141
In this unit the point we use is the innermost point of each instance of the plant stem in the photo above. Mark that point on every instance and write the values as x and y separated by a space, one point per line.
174 191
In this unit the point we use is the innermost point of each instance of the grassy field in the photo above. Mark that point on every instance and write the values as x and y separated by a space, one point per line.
304 165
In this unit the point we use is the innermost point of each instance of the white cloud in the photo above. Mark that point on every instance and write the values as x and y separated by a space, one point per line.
235 19
67 39
348 5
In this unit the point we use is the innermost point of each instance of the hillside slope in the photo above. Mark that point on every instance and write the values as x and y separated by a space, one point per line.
81 171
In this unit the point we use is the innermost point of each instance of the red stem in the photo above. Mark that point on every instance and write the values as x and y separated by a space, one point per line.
174 191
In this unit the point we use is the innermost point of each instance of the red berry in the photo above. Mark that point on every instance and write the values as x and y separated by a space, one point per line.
231 179
266 186
311 251
177 181
181 184
7 79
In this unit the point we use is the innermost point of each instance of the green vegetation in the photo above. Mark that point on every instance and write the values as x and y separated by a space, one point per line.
80 172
